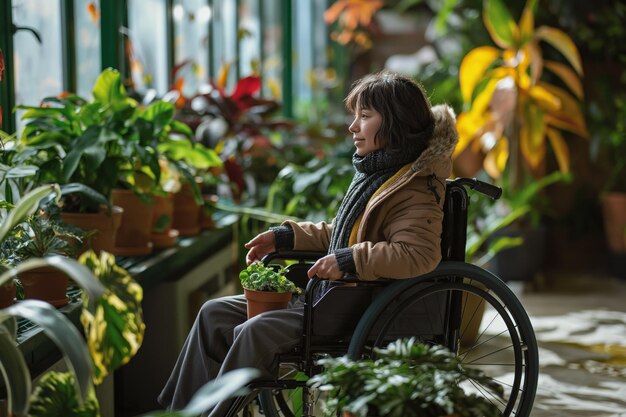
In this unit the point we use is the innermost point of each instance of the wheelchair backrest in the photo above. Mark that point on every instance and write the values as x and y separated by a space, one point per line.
454 232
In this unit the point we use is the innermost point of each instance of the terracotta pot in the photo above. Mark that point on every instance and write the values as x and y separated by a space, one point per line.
133 237
47 284
7 294
614 216
163 235
104 225
186 212
262 301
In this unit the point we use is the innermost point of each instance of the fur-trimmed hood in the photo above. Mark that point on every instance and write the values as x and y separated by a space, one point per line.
436 159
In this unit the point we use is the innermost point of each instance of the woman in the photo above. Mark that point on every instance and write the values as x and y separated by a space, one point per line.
388 225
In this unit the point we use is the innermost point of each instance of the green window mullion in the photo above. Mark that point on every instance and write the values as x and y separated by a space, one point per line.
7 86
68 35
211 58
287 78
261 35
237 42
171 39
112 18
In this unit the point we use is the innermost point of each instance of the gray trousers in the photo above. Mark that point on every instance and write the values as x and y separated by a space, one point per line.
221 339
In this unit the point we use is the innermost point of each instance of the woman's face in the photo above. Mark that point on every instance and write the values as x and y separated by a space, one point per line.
364 128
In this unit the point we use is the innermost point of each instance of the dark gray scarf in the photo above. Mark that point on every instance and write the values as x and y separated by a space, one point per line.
372 171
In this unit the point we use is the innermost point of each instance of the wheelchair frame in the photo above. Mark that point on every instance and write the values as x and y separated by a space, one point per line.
453 279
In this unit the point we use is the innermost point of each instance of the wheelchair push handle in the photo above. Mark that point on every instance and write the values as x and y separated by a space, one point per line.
482 187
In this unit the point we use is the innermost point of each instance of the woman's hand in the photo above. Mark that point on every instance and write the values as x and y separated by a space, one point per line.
326 268
260 246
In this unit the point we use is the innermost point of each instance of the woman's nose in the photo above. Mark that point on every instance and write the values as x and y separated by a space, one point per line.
353 127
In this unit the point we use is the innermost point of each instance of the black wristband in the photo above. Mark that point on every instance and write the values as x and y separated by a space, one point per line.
284 237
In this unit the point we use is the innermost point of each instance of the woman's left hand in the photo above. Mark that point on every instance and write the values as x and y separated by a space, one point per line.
326 268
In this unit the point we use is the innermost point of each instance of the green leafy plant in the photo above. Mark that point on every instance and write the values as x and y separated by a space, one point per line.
608 140
405 379
56 395
312 190
258 277
15 175
42 234
114 328
487 217
106 143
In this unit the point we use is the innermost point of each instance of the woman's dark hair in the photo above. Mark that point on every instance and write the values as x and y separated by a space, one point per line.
407 119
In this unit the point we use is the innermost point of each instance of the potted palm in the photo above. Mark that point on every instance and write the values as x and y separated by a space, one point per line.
266 288
405 379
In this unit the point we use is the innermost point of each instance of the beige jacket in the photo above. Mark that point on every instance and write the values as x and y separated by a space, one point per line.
399 233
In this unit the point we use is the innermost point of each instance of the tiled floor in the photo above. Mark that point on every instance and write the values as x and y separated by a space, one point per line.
580 324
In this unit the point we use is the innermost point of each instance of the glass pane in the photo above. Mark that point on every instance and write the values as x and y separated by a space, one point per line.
272 49
303 56
88 58
250 37
148 36
191 42
311 77
38 65
225 39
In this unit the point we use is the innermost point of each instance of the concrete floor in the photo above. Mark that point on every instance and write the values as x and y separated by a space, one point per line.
580 324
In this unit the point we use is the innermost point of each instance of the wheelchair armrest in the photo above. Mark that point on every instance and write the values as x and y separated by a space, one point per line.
293 255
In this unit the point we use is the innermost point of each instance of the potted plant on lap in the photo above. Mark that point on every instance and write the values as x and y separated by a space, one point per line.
266 289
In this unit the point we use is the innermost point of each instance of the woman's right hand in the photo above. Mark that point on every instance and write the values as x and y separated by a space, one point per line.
260 246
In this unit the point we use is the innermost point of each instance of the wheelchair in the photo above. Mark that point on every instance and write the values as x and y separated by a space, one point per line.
458 305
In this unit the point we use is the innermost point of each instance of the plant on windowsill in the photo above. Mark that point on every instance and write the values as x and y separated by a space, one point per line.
266 288
406 379
42 235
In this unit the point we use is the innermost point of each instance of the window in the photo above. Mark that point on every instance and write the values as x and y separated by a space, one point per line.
191 42
37 51
87 41
148 47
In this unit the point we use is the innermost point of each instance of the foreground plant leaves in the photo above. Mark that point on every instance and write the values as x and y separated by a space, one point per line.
114 326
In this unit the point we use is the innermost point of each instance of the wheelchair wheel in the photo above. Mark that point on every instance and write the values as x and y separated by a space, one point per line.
443 307
281 402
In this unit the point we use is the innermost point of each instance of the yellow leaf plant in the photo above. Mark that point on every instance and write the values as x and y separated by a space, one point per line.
511 114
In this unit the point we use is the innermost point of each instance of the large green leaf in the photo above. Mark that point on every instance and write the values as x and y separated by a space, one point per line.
160 113
73 157
499 23
194 154
26 206
14 370
55 396
115 329
108 88
63 333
